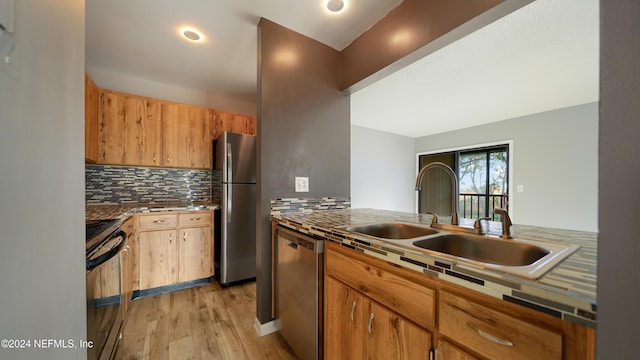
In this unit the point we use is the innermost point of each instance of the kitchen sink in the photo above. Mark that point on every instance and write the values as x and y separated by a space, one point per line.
525 258
521 257
393 230
484 249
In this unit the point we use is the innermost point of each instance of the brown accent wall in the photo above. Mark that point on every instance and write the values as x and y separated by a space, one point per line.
303 130
619 197
407 28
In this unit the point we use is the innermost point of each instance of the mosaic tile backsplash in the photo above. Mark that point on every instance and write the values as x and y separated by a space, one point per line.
127 185
294 205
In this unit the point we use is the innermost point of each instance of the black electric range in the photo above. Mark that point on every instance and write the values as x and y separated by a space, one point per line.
100 238
95 227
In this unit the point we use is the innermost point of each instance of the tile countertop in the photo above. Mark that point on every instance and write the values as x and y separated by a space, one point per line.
102 212
567 291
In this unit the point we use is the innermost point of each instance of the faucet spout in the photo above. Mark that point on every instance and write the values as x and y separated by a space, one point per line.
454 186
506 223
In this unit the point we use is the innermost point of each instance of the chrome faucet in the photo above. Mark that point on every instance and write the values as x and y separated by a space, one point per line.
454 186
506 222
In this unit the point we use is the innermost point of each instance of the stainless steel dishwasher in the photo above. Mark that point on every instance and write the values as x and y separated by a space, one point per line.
299 291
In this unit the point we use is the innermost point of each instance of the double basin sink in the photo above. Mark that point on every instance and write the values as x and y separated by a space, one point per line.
525 258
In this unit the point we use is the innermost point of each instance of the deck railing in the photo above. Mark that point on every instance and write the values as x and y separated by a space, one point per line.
474 206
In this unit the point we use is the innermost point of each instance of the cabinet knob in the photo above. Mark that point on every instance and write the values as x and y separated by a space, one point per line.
158 221
370 326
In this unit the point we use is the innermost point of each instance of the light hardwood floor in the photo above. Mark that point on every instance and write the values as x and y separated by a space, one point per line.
203 322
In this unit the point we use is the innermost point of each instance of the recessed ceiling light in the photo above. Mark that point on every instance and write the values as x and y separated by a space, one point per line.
191 34
335 5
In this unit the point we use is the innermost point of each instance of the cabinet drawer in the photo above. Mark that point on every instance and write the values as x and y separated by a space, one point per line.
403 296
158 222
493 334
195 219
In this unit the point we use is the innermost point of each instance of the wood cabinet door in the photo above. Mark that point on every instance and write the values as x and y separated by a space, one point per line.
187 136
251 124
158 258
221 122
390 336
130 130
107 283
344 326
237 123
126 276
245 124
149 144
195 253
91 120
448 351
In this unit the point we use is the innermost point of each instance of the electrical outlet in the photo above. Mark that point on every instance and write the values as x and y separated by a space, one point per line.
302 184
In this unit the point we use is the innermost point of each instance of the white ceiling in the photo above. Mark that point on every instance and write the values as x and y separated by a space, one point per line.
140 37
543 56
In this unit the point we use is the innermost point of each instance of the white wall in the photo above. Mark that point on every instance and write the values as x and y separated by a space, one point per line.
111 80
555 156
42 260
383 170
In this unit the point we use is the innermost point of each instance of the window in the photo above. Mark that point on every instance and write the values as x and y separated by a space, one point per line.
482 179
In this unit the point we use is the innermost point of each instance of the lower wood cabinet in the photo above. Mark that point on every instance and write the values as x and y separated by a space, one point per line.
127 261
158 260
359 328
370 313
493 334
195 254
376 309
344 321
175 247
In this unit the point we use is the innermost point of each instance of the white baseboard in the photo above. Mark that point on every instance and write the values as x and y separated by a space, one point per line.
266 328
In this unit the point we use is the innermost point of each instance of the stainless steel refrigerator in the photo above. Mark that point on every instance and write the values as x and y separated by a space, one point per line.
235 250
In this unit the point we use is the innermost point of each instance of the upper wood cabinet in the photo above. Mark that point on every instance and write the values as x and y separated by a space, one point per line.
126 129
130 130
91 113
226 121
186 136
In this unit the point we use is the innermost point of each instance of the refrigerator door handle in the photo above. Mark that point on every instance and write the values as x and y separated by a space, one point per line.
229 164
230 180
229 202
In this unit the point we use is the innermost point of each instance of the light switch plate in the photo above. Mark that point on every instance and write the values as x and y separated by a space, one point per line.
302 184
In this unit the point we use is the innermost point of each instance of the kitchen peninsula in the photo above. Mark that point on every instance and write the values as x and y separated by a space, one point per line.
465 301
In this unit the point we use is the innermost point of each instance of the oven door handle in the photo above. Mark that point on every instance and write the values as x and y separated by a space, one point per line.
93 263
